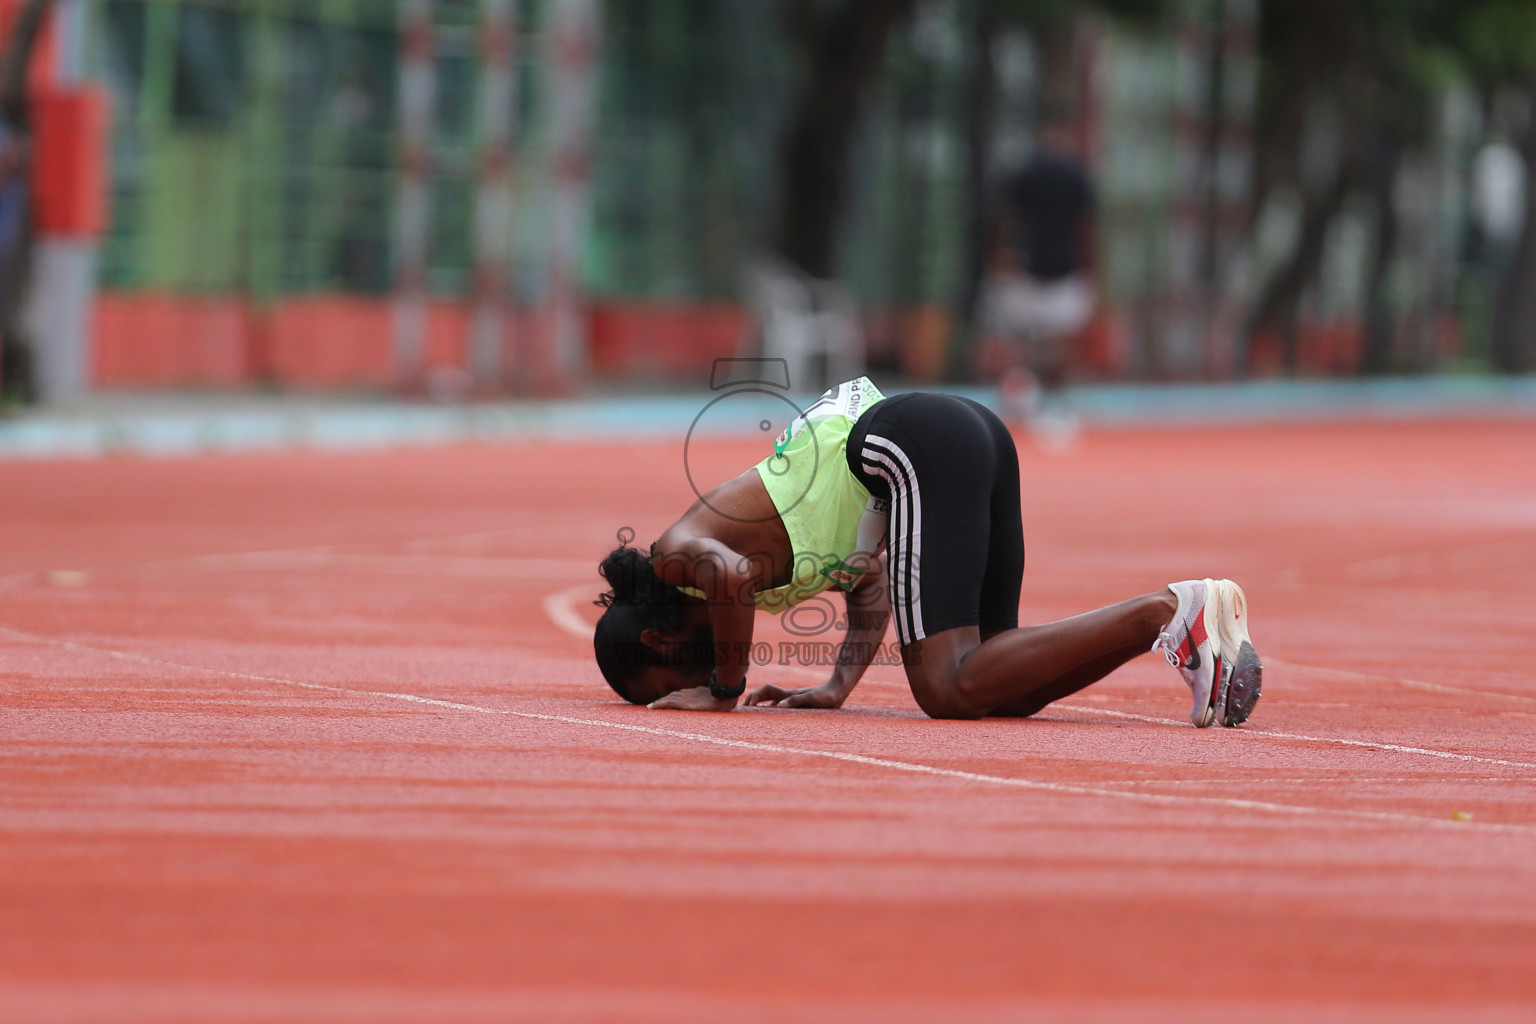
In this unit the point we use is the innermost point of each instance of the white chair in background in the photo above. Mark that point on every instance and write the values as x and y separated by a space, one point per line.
813 325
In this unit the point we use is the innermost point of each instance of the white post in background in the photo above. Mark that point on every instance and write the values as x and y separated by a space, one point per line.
413 198
63 288
489 329
573 36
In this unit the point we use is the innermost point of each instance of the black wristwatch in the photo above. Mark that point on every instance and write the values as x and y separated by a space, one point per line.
726 692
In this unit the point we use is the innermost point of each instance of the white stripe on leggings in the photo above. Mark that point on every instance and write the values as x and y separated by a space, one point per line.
896 532
881 453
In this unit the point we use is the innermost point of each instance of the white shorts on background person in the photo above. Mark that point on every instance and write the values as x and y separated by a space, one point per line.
1016 305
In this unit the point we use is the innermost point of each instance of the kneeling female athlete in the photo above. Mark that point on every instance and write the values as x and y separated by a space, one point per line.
910 504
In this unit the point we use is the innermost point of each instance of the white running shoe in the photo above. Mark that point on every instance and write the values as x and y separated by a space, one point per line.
1208 643
1190 644
1237 690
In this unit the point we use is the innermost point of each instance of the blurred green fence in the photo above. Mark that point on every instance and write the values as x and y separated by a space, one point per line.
252 144
254 149
255 152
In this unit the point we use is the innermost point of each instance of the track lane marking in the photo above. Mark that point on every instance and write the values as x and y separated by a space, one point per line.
1417 684
320 551
1352 780
1368 744
911 767
408 564
560 608
1397 560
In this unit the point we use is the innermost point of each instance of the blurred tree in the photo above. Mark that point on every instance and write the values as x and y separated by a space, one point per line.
839 45
1356 66
1496 40
1373 67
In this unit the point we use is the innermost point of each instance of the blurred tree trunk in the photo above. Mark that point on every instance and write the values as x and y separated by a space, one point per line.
841 44
1055 37
1302 54
981 101
1279 303
1376 355
1514 311
1336 54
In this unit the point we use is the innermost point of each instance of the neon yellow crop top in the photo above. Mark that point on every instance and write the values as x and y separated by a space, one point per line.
819 499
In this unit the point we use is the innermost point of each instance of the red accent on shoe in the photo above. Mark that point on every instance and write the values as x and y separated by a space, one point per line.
1197 633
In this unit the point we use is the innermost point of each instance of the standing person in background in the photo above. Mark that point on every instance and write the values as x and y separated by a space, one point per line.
1038 296
15 354
15 199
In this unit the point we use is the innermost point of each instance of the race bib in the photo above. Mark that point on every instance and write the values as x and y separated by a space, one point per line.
847 400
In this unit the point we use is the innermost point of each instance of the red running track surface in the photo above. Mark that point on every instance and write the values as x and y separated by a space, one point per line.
318 737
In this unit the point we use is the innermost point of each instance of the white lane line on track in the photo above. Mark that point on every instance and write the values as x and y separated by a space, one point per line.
539 531
412 564
560 607
808 752
320 554
1417 684
1350 780
559 604
1368 744
1428 558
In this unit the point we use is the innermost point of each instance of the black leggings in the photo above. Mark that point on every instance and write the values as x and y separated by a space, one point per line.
955 538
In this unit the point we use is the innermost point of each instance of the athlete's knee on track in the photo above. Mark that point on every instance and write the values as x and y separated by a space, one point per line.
936 672
944 698
1026 708
958 710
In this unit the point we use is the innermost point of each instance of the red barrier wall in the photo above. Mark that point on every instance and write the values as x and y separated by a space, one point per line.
149 339
663 341
329 341
152 339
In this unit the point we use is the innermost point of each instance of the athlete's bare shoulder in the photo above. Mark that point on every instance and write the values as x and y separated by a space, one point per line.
740 516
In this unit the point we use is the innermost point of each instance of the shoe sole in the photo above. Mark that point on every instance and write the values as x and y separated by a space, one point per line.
1243 674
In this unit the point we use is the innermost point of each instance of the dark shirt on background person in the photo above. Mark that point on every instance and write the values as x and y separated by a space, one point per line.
1051 201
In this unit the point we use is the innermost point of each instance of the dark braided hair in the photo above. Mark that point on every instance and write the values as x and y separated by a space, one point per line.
638 600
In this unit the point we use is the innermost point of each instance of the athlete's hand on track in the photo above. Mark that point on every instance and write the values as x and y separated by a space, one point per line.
697 698
823 696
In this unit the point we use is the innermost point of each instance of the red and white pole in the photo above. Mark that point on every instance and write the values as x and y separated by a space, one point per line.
69 189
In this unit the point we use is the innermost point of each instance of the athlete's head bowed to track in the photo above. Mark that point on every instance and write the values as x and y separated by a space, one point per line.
910 506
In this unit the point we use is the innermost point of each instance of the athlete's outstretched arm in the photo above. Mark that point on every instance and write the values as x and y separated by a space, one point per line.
869 612
726 580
